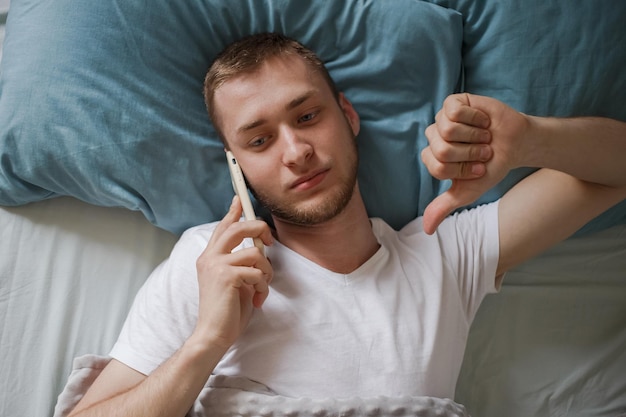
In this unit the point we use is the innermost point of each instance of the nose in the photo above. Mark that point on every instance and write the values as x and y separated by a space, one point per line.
296 149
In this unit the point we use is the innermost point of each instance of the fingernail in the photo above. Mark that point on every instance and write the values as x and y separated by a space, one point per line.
485 153
478 169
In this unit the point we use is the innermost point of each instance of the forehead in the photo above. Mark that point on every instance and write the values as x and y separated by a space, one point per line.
269 87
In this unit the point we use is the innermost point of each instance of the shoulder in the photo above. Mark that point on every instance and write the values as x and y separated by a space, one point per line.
475 226
485 215
480 220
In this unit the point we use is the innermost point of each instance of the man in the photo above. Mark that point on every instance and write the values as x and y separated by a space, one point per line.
343 305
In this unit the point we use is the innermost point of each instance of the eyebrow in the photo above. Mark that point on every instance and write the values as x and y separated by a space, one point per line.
300 99
290 106
250 126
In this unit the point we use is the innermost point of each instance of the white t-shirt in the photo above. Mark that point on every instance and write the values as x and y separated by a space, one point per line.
398 325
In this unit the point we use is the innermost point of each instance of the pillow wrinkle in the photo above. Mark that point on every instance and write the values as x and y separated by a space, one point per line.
555 59
107 107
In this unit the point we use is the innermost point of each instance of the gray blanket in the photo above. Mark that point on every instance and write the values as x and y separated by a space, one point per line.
228 396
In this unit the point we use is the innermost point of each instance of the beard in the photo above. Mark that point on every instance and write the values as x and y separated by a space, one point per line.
319 212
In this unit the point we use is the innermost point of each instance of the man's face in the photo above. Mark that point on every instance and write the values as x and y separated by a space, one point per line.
293 140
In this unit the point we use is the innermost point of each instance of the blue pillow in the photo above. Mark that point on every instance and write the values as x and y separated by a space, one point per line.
102 100
547 58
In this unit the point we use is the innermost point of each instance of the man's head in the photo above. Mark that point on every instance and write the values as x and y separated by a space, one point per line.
247 55
292 133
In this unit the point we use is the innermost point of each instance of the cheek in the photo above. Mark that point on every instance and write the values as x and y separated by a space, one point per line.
261 175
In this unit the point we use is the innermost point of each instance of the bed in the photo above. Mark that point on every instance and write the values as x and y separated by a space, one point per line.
106 156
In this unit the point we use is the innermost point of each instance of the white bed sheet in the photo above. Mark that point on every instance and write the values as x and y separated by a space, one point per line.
68 273
552 343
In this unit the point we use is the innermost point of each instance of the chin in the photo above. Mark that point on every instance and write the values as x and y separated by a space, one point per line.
314 212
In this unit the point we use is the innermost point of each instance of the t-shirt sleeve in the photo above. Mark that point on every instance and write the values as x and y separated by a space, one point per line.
471 247
164 312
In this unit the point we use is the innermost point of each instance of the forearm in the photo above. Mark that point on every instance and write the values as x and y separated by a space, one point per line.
589 148
546 208
169 391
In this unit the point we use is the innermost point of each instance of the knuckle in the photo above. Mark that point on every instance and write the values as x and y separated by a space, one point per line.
427 157
441 113
473 153
429 132
464 169
204 265
438 171
201 263
455 113
446 154
447 130
477 135
475 118
235 227
442 151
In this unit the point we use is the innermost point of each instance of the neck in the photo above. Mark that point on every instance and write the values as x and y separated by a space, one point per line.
341 244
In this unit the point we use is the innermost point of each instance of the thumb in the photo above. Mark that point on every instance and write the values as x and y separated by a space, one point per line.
437 211
455 197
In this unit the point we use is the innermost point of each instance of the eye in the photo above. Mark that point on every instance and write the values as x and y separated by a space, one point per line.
307 117
259 141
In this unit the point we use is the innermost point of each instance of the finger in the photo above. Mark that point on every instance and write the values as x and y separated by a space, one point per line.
458 108
255 270
444 204
259 298
237 232
451 170
433 216
232 216
254 278
231 231
436 212
452 131
445 151
250 257
432 134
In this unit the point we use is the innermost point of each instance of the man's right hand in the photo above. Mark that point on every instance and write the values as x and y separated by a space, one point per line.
231 283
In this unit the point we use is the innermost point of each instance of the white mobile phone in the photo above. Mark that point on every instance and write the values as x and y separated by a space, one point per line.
239 185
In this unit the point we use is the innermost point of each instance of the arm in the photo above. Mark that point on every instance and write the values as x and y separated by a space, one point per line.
169 391
546 208
586 174
231 284
588 148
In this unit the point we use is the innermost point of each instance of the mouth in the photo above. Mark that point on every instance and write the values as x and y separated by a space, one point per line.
309 181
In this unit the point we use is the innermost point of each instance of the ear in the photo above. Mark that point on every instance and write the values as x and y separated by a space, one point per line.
351 115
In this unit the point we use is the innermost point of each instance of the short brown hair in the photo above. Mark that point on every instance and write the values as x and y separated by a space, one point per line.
248 54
